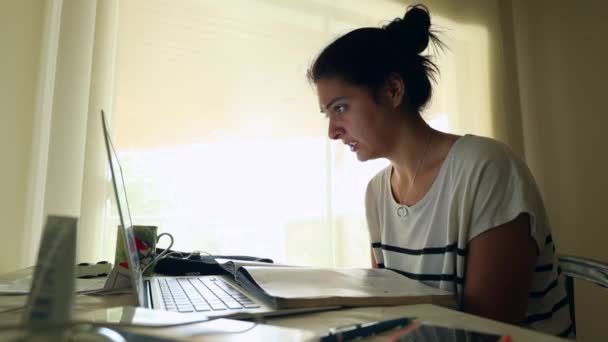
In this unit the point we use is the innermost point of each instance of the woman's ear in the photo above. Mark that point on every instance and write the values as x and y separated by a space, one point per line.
395 90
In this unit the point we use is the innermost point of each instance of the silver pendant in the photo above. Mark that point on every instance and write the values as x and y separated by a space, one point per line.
402 212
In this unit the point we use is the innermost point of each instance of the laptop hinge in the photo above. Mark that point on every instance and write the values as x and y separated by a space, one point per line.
148 302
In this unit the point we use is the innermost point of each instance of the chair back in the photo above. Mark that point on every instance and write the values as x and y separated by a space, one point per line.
586 269
581 268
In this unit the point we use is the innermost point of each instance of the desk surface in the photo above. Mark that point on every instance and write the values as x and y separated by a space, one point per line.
319 322
305 326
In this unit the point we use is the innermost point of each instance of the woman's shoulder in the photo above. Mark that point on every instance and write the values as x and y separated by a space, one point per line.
477 156
378 180
473 149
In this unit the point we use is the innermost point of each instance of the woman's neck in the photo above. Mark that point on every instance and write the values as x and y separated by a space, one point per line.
414 143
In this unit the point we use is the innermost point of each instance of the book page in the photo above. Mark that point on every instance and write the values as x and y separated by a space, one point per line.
239 263
305 282
232 265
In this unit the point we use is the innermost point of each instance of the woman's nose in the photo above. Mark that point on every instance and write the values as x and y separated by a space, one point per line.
334 132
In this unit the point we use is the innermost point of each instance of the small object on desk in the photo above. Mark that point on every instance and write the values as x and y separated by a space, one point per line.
100 269
429 332
52 291
365 329
177 263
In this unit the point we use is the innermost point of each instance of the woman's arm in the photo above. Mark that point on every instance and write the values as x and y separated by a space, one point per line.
500 266
374 263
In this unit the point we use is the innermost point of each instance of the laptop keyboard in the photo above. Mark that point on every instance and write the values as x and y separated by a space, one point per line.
202 294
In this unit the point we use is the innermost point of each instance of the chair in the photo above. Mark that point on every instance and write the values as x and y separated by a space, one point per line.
581 268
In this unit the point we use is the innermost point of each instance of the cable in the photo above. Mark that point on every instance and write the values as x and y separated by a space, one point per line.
181 255
41 326
164 256
255 319
17 308
194 253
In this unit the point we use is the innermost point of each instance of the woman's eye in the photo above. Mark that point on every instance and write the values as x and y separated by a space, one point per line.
341 108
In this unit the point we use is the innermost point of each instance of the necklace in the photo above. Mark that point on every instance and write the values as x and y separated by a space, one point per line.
402 209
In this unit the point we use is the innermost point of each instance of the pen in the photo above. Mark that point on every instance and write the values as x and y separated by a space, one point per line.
364 329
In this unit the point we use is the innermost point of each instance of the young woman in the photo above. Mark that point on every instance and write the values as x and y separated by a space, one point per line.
461 213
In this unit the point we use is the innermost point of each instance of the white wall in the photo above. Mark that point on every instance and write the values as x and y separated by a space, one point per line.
561 54
20 41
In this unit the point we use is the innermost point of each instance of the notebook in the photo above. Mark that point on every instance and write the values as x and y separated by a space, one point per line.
211 296
289 287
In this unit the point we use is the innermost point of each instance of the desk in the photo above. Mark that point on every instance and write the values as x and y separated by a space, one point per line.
310 325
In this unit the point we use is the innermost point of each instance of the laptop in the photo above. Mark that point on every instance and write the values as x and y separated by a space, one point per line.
211 296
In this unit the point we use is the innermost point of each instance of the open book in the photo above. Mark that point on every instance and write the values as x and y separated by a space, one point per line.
290 287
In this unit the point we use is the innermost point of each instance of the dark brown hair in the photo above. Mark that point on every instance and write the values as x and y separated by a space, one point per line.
368 56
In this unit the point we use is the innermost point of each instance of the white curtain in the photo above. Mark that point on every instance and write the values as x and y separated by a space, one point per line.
66 170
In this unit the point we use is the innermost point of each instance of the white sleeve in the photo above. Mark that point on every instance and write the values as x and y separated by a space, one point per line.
503 188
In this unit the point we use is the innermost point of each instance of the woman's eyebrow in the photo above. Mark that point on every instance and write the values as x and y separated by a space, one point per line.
336 99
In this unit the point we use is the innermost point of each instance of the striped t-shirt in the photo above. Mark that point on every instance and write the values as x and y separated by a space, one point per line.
480 185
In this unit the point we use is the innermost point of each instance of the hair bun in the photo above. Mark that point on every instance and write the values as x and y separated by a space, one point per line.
413 29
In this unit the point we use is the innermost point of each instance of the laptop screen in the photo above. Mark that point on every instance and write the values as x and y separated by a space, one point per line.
124 214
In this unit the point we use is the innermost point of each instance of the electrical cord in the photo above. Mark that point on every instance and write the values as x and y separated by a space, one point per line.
42 326
180 255
196 254
17 308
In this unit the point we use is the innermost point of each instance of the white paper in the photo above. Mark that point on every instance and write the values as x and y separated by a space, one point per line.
305 282
119 281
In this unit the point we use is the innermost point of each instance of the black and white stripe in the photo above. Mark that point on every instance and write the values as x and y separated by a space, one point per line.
481 185
542 293
427 250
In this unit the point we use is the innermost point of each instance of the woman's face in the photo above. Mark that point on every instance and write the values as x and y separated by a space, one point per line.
355 117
